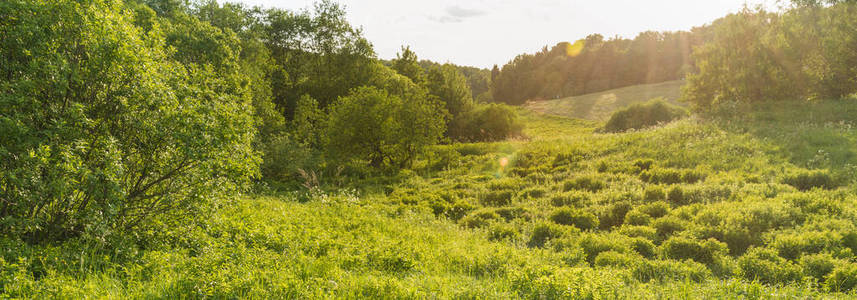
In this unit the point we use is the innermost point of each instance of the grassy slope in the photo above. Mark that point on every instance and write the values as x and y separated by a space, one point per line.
345 245
599 106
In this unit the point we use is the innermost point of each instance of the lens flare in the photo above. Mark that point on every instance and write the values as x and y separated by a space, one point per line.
503 162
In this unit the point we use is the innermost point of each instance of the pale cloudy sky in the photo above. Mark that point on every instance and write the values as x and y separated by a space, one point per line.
486 32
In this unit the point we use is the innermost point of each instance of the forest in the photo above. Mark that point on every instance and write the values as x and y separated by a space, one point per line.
209 149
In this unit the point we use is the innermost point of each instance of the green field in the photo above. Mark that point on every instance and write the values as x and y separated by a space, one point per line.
756 206
599 106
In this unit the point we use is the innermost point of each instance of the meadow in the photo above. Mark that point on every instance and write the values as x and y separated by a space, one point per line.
722 205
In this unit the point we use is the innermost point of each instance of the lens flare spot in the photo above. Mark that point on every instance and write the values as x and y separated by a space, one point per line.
503 162
573 50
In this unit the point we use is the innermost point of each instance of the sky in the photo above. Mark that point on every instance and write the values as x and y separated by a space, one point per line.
482 33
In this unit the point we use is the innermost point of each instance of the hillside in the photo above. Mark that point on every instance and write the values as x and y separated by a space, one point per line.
599 106
573 214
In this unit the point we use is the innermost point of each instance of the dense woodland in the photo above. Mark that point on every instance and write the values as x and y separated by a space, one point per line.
198 149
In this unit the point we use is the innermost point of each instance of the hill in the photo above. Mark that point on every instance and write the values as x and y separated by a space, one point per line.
599 106
738 206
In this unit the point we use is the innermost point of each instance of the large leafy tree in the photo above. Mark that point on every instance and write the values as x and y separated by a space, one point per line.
104 128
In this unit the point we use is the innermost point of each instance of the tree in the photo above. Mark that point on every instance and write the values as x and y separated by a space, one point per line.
450 86
406 64
382 127
102 129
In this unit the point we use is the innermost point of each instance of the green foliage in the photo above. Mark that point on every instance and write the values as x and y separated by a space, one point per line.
615 259
706 252
486 123
448 85
659 270
642 115
843 278
406 64
581 219
807 180
106 128
584 183
382 128
636 217
765 266
544 232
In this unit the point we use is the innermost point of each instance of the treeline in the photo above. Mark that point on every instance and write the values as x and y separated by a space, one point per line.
594 64
117 116
806 52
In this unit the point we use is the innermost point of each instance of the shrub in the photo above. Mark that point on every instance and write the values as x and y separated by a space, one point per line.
614 214
534 193
574 198
497 198
479 219
793 246
103 128
584 183
485 123
654 193
764 265
843 278
636 217
643 246
817 265
655 210
676 196
671 176
642 115
544 232
382 128
667 226
643 164
499 232
806 180
511 213
639 231
648 270
577 218
593 245
682 248
614 259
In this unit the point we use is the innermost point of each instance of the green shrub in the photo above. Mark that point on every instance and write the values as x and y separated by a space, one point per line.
615 259
671 176
703 252
485 123
644 247
534 193
498 232
577 218
642 115
843 278
645 232
643 164
667 226
636 217
654 193
793 246
479 219
806 180
676 196
764 265
659 270
818 265
593 244
584 183
655 210
544 232
512 213
614 214
573 198
497 198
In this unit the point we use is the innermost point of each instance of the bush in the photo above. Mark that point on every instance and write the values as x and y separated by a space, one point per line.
577 218
636 217
498 232
544 232
807 180
764 265
479 219
667 226
497 198
843 278
703 252
817 265
639 231
644 247
671 176
485 123
584 183
648 270
614 215
511 213
615 259
642 115
655 210
575 198
104 130
593 245
643 164
654 193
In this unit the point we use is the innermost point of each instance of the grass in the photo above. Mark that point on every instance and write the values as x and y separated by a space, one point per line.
599 106
698 208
